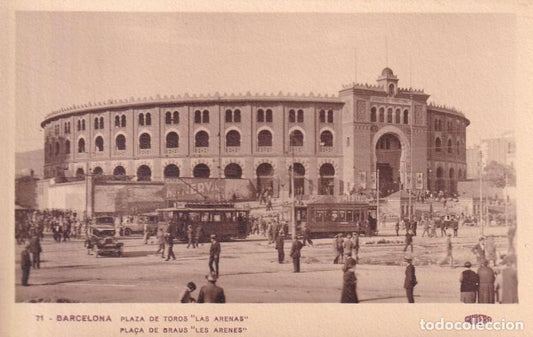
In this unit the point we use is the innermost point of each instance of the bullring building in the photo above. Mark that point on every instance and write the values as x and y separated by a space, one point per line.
335 144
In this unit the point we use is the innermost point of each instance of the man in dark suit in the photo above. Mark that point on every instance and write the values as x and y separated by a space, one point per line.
170 244
35 249
214 255
295 254
469 284
280 241
410 280
211 293
25 263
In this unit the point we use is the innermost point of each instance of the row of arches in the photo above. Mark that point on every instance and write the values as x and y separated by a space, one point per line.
98 123
449 178
449 146
396 117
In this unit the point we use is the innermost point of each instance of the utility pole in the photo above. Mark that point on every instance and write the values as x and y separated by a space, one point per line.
291 172
377 194
481 191
505 199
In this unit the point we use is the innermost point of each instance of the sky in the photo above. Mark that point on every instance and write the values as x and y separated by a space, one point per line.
65 58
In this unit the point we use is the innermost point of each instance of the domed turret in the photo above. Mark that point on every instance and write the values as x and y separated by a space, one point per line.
388 81
387 72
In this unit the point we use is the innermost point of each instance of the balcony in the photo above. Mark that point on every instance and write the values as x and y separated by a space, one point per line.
325 149
119 153
98 154
172 150
296 149
200 149
264 149
233 149
145 152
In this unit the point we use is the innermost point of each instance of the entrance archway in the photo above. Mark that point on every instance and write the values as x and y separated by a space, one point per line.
388 162
265 178
326 182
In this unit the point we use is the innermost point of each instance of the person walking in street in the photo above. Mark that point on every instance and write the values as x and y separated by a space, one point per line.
486 283
479 250
355 239
410 280
170 244
425 224
397 228
280 241
408 241
338 246
295 254
190 237
161 243
211 293
36 249
469 284
490 250
347 245
146 233
306 236
185 296
25 264
198 235
507 282
214 255
349 285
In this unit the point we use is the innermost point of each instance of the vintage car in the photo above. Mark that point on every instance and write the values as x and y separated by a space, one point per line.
102 241
137 224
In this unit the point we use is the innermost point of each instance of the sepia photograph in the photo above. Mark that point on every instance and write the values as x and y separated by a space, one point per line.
255 157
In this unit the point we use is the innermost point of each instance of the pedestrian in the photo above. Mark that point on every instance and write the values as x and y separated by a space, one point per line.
161 243
449 255
170 244
295 254
269 232
306 235
198 235
425 224
337 248
414 225
347 245
479 250
433 228
410 280
355 239
211 293
397 228
507 283
443 228
490 250
486 283
349 285
146 232
280 241
455 226
469 284
408 240
25 264
190 237
214 255
35 249
185 296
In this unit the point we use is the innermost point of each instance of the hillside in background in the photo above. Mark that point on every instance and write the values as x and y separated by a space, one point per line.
27 161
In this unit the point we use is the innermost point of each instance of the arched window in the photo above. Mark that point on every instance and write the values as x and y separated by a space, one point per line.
260 116
80 173
450 149
264 138
269 116
265 178
83 124
381 115
452 173
406 116
205 116
459 174
119 171
176 117
233 171
99 144
229 116
397 116
97 171
168 117
440 125
373 117
198 117
436 125
326 138
438 145
96 123
201 171
117 121
201 139
67 146
296 138
391 89
171 171
101 122
322 116
79 125
57 148
120 142
141 119
389 115
144 173
172 140
237 116
145 141
300 116
330 116
292 116
81 145
233 138
148 119
123 121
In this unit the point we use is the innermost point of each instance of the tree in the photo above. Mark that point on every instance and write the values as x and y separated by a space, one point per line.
499 175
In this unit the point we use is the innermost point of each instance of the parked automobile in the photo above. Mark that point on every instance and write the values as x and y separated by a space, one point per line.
104 220
102 241
138 222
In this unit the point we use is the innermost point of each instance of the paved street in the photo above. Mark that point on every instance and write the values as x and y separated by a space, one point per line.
249 271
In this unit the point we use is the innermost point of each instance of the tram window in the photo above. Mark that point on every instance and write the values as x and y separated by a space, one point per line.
342 215
195 216
334 216
349 216
319 216
217 217
304 214
204 216
356 216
